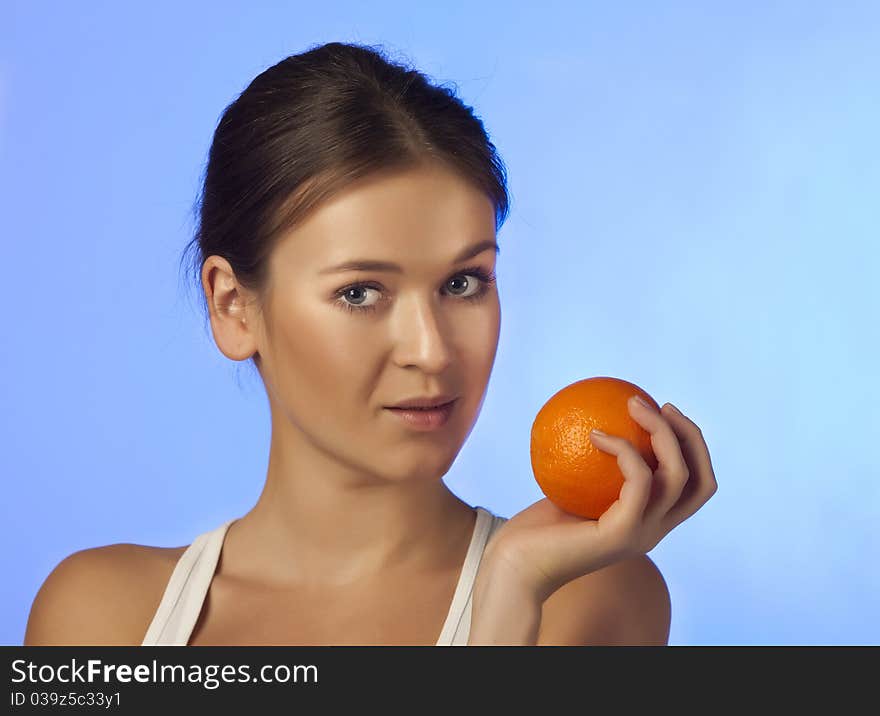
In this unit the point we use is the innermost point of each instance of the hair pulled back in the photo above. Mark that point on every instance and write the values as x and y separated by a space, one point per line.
308 126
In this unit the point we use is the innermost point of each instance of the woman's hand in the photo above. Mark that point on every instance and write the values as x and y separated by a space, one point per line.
544 547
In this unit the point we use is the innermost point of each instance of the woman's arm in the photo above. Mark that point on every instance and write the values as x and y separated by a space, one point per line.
504 612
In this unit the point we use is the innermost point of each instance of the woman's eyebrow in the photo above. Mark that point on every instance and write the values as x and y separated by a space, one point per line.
369 265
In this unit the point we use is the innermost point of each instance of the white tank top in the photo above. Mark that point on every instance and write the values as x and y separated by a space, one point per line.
185 592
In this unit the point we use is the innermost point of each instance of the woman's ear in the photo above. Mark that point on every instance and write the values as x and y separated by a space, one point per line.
232 324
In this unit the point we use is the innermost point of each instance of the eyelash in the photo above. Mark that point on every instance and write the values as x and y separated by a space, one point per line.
486 280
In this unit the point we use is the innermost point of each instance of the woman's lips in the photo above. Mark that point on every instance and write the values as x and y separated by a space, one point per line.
422 419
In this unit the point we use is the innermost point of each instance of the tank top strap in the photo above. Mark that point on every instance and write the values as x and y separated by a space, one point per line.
458 618
186 590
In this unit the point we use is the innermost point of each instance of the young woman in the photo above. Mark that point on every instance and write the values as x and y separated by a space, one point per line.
346 246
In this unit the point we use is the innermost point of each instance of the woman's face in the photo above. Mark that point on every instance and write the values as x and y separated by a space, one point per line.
337 346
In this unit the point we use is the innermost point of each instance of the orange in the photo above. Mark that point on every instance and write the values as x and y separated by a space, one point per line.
575 475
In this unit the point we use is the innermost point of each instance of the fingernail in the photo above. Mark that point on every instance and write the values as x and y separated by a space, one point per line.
674 409
597 432
643 402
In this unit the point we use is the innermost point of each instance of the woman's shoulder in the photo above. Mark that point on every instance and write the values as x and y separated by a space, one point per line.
626 603
101 596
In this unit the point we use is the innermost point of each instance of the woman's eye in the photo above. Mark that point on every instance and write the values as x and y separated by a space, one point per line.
356 295
469 282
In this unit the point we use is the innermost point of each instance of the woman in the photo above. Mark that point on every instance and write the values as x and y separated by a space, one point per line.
346 246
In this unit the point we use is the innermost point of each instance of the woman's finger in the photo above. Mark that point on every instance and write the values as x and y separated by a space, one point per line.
620 523
673 471
701 484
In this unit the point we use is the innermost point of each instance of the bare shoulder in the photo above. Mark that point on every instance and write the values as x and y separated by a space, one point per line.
624 604
102 596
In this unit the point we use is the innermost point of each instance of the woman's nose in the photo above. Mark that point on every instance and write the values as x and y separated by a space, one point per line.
421 338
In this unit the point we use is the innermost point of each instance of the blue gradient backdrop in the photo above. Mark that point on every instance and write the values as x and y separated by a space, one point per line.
695 209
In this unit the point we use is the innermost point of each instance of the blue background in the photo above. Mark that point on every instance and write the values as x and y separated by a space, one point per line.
695 209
